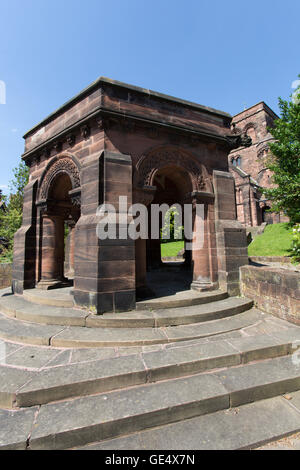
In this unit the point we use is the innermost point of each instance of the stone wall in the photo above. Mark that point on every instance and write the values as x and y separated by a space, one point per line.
5 275
274 290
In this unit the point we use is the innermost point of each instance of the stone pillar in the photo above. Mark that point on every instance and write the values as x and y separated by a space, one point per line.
23 272
254 214
142 196
52 251
104 269
70 251
232 250
202 256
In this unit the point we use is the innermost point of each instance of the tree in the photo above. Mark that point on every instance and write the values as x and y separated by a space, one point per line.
11 218
285 160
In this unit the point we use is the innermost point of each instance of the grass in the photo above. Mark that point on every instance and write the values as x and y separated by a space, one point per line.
275 241
171 248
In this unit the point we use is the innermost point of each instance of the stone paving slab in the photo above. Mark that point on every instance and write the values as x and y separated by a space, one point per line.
190 360
252 382
15 428
82 379
104 416
260 347
238 428
11 380
30 357
28 333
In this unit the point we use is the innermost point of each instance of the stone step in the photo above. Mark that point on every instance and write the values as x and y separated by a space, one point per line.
16 330
243 428
81 421
63 298
23 388
181 299
54 298
20 308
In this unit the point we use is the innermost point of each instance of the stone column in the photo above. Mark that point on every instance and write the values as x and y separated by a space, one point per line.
232 251
23 272
254 217
201 254
104 269
70 250
142 196
52 251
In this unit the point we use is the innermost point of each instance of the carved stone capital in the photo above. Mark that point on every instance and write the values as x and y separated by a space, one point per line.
144 195
70 138
85 131
239 140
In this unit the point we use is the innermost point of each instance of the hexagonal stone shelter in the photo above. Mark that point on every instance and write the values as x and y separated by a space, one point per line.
112 140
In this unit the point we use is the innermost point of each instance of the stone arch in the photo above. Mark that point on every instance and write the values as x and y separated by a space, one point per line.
65 164
248 126
164 156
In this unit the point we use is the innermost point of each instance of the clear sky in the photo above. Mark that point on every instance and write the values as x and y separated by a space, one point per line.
225 54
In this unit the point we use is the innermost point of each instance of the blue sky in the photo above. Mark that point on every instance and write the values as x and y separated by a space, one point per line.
226 55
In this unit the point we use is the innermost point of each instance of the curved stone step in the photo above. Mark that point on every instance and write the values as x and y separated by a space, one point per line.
18 307
23 388
63 298
54 298
81 421
181 299
77 337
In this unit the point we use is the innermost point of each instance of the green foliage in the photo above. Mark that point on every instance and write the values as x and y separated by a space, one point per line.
171 229
285 161
11 218
295 251
275 241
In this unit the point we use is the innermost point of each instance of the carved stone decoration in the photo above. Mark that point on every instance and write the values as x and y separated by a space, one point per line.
152 132
236 141
99 123
85 131
44 154
70 139
76 200
35 160
148 165
57 146
62 165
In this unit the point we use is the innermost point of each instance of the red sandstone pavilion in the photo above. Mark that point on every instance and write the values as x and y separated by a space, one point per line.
112 140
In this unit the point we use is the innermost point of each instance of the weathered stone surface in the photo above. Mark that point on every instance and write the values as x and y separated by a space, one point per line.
190 359
11 380
82 379
5 275
15 428
104 416
274 290
28 333
262 380
245 427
